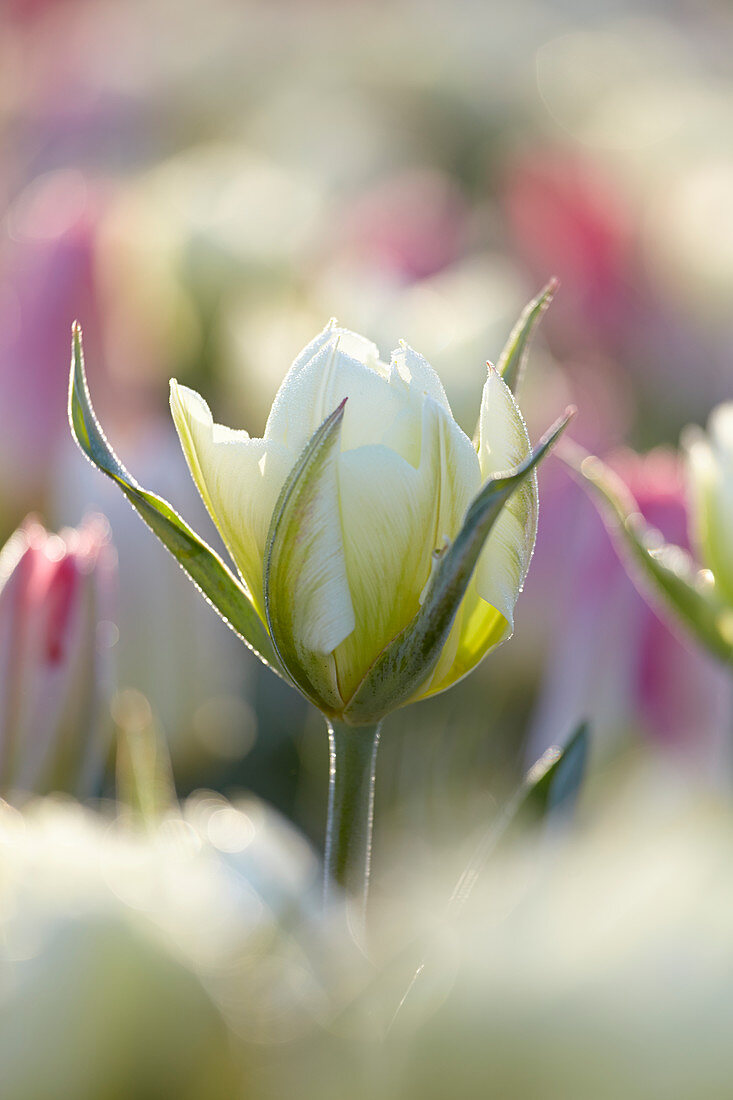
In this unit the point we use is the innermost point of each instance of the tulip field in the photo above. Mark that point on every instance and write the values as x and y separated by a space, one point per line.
366 550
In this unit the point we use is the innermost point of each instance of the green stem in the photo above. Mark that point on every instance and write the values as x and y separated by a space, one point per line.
352 764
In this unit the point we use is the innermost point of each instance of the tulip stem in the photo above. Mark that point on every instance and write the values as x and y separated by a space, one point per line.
352 766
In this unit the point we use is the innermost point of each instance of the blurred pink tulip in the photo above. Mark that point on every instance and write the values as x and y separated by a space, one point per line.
55 635
567 216
26 11
614 661
412 226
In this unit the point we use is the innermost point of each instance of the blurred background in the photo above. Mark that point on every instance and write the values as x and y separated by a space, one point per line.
203 183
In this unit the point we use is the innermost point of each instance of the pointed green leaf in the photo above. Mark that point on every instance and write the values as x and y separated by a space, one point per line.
296 594
202 564
549 790
409 659
663 572
513 358
551 785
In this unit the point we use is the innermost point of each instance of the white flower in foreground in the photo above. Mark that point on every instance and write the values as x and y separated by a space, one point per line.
132 956
608 967
710 468
375 513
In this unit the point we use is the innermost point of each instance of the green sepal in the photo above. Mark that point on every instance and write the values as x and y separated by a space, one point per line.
660 569
513 358
405 664
287 550
202 564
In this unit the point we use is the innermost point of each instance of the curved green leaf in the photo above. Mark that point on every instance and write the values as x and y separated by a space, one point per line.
202 564
409 659
513 358
659 569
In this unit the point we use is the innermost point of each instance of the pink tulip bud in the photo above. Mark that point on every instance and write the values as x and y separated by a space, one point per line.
55 636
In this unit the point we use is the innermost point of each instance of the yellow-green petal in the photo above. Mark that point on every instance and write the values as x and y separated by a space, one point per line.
503 445
384 506
239 480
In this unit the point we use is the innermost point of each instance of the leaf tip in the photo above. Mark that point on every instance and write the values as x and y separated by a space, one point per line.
555 430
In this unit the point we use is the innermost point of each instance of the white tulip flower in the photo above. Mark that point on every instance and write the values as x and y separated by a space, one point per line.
380 552
393 496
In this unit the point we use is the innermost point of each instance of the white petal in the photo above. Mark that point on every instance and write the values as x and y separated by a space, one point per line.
449 454
351 343
310 350
239 480
416 372
387 517
503 443
413 381
314 387
503 438
394 517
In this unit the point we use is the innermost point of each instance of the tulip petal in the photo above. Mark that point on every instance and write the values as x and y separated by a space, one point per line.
503 445
416 372
478 628
385 503
409 660
239 480
396 518
344 365
205 568
307 597
448 456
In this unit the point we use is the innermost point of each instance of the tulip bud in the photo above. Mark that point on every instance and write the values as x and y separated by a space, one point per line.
380 552
55 633
338 531
710 472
